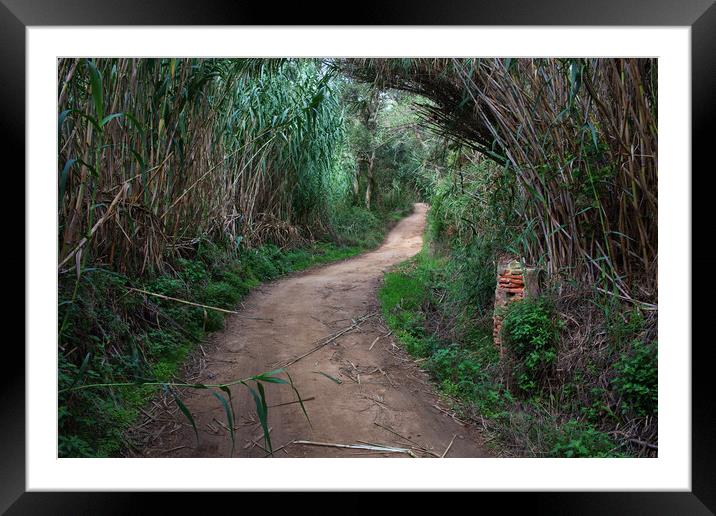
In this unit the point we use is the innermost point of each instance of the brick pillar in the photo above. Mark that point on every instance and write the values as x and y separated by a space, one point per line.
510 287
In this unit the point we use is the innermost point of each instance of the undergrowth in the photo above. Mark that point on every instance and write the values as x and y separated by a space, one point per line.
530 332
536 400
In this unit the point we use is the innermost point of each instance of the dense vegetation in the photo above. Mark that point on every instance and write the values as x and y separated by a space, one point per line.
547 172
197 179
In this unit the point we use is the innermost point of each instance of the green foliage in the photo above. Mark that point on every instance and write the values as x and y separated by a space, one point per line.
191 271
472 201
158 342
474 264
357 226
388 149
91 423
578 439
530 331
599 409
465 375
470 213
636 379
461 371
533 118
401 298
167 286
221 294
402 292
238 281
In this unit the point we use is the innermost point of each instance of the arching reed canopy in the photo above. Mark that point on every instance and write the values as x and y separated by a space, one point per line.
580 135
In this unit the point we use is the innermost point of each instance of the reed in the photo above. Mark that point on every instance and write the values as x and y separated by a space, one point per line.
156 154
579 135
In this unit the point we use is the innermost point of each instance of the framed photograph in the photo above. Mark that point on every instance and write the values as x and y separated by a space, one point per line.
424 233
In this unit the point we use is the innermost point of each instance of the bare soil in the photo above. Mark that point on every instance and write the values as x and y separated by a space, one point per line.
384 398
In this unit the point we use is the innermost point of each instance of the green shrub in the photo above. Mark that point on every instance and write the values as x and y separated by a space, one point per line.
159 343
73 446
416 346
442 363
192 271
598 409
578 439
222 295
239 283
464 374
401 297
530 331
636 379
166 285
402 291
163 371
261 262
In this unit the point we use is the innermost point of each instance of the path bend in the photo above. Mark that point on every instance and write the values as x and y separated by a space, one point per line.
383 398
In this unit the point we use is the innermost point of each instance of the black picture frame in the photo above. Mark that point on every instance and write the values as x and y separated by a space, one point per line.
700 15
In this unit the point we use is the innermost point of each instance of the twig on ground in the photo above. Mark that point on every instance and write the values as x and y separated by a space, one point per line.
173 449
388 377
407 439
162 296
281 448
382 448
221 424
378 338
254 442
331 338
378 401
292 402
644 443
455 418
449 446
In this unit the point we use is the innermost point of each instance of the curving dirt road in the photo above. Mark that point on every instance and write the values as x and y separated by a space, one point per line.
383 397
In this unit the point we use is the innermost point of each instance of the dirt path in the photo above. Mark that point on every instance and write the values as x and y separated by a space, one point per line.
382 390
